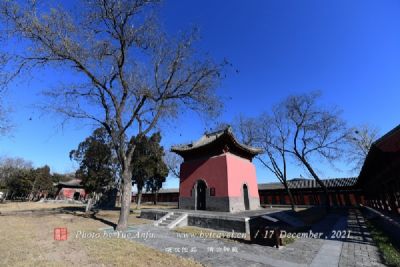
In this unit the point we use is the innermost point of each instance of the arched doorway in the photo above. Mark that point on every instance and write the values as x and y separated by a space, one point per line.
246 197
76 195
201 189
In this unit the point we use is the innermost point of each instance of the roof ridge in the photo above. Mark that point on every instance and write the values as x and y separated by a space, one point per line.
208 138
226 129
391 132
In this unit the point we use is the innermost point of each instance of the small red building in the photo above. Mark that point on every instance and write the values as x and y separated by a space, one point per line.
72 190
218 174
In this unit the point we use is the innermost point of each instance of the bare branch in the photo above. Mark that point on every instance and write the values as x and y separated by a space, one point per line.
132 73
360 141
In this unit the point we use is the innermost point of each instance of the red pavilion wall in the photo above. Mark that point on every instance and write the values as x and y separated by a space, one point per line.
212 170
241 171
226 173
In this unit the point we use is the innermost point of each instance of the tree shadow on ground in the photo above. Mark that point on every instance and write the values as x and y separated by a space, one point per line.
80 212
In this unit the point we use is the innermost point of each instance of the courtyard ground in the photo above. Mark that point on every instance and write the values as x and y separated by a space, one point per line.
331 249
27 239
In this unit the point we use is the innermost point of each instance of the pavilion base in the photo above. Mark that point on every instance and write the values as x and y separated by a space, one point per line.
206 219
227 204
239 222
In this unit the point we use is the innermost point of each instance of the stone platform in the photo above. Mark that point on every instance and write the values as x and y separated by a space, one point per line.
216 220
357 249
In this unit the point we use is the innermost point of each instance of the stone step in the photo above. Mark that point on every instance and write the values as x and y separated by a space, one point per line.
167 221
171 219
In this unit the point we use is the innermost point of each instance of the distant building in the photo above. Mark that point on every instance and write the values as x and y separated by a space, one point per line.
218 174
168 195
72 190
342 192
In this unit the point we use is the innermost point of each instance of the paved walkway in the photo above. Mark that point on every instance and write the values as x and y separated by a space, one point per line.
328 250
329 253
359 249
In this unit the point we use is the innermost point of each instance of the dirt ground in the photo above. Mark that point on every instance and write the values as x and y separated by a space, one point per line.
27 239
23 206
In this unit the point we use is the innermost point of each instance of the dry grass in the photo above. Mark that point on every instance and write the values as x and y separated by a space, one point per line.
24 206
27 240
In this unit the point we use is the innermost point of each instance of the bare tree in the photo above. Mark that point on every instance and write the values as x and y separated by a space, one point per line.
130 74
360 141
5 78
10 166
16 163
5 124
173 162
248 130
271 133
317 133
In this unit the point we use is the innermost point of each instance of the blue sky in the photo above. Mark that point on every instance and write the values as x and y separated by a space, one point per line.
349 50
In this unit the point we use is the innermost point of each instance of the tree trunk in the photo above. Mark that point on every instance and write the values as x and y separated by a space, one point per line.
291 199
139 198
31 195
155 197
315 176
89 205
126 197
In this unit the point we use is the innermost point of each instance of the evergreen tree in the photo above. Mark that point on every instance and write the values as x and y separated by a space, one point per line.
42 183
149 169
19 185
96 164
